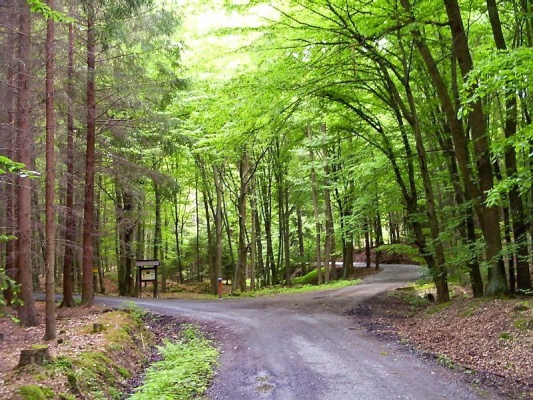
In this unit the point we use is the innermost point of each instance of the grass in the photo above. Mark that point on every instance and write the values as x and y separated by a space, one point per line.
300 288
184 372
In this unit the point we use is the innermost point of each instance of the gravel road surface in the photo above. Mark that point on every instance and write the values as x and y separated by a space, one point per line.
303 346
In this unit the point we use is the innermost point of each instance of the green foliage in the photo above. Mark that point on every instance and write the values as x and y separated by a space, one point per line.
7 283
523 324
35 392
40 7
310 279
185 370
9 166
505 336
446 361
300 288
138 313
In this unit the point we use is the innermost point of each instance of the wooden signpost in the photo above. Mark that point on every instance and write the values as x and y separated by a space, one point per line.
147 272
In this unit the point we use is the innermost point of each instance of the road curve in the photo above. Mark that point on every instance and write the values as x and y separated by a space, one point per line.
303 346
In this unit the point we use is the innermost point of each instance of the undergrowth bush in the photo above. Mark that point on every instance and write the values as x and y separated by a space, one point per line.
185 370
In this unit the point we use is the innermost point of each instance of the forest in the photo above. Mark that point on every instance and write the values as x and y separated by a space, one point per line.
255 141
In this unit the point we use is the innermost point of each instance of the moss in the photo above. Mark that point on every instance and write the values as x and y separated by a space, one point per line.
505 336
438 308
523 324
100 372
124 372
34 392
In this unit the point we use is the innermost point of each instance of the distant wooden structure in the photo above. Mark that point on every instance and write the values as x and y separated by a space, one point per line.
147 272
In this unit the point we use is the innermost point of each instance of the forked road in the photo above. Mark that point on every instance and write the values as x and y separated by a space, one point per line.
303 347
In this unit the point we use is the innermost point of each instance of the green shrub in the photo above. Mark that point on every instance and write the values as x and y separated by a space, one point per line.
185 370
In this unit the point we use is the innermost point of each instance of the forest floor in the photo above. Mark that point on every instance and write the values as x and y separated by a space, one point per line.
492 339
489 339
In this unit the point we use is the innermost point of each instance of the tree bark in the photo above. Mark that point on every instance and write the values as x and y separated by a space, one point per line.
488 216
330 233
314 194
240 271
50 315
218 226
518 215
27 312
87 292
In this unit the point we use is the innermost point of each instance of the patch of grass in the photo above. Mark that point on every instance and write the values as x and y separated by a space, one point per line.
185 370
446 361
310 278
523 306
473 306
438 308
138 313
505 336
274 290
523 324
35 392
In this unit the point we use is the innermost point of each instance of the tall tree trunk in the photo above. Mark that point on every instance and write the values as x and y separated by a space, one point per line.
87 293
50 314
379 237
286 233
330 235
368 254
156 254
126 227
218 228
10 136
411 114
27 312
490 218
177 234
519 219
314 194
271 270
258 242
301 244
240 270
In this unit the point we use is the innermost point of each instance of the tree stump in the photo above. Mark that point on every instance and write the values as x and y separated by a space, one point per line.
38 354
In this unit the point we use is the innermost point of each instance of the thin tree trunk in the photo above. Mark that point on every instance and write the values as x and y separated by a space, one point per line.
368 256
271 270
27 312
253 234
50 311
286 239
314 195
259 243
240 270
301 245
218 229
87 294
10 133
330 235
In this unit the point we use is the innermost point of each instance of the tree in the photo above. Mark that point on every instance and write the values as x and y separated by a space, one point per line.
50 330
27 312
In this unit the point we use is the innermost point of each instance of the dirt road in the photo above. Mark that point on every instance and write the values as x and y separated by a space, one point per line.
304 347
